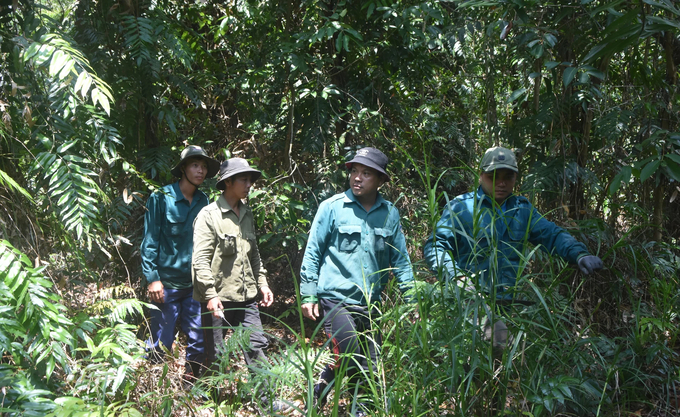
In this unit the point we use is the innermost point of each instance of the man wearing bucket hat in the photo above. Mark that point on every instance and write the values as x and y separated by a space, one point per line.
166 257
481 235
228 272
354 243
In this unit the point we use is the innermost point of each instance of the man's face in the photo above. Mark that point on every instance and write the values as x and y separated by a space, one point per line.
498 184
239 185
364 181
195 169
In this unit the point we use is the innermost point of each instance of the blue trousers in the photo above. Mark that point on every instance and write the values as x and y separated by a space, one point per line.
178 304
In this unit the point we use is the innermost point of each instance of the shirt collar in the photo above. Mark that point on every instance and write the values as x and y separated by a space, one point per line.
223 205
177 192
198 194
351 198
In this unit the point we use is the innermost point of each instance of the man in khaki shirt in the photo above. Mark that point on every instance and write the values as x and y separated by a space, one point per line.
228 271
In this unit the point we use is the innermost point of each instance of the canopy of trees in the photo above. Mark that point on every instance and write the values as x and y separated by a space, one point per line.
98 97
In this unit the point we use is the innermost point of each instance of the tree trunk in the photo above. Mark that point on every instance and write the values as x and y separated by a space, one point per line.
666 123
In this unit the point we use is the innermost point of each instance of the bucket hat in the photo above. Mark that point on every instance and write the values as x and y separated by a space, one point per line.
193 151
235 166
499 158
372 158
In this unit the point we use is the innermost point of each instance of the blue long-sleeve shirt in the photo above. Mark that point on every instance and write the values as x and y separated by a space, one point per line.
350 252
476 240
169 236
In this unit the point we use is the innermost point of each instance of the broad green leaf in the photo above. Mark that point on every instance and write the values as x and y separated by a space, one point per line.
649 170
338 42
9 182
666 5
674 157
515 95
31 51
371 9
104 101
57 63
568 75
673 169
68 145
621 177
550 39
664 23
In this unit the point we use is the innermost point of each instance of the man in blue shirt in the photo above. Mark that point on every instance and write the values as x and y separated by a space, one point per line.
481 235
166 258
354 243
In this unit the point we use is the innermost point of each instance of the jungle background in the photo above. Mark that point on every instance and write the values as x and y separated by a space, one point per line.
99 97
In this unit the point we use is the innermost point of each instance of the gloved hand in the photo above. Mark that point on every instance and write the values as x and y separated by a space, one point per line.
589 264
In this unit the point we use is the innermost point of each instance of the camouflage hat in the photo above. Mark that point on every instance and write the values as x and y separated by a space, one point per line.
499 158
235 166
193 151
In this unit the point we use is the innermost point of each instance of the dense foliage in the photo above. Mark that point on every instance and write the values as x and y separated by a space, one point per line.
98 97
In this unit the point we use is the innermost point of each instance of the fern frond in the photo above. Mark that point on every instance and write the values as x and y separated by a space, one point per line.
117 291
34 327
156 160
71 190
68 66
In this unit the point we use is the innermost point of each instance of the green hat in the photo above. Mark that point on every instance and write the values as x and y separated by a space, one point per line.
193 151
499 158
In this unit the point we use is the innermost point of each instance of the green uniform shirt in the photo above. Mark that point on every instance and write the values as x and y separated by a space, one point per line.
351 252
168 236
226 261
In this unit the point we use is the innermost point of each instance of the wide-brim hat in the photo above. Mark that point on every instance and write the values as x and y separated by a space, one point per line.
499 158
193 151
372 158
235 166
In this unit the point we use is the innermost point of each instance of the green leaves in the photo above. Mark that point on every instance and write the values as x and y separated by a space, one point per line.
568 75
71 189
64 62
35 329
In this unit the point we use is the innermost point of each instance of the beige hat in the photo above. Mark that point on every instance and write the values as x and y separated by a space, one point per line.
499 158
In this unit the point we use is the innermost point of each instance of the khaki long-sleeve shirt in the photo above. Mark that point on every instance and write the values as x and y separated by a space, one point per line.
226 261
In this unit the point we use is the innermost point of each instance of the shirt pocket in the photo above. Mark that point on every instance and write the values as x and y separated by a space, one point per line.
174 223
250 241
228 244
382 239
349 238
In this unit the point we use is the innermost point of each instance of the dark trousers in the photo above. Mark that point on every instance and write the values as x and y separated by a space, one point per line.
351 332
178 305
246 314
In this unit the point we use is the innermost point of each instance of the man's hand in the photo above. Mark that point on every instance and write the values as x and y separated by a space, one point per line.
267 297
310 310
215 305
156 292
589 264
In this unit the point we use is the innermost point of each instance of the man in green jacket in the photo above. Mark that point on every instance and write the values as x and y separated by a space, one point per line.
481 235
355 243
228 271
166 257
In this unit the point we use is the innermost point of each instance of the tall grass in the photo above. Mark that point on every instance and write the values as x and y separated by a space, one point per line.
601 345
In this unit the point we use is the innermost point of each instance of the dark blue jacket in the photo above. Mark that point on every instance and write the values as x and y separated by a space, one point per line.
476 240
